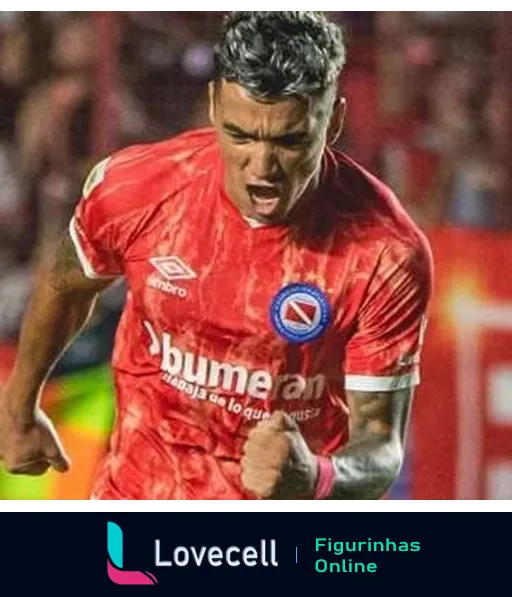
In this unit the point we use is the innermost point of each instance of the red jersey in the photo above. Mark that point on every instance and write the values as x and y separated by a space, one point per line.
226 322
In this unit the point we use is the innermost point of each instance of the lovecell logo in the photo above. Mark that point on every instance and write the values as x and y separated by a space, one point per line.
115 561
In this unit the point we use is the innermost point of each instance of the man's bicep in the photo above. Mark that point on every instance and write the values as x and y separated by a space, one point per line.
383 415
99 228
383 354
65 272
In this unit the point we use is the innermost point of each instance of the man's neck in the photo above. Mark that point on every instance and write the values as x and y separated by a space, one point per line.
255 224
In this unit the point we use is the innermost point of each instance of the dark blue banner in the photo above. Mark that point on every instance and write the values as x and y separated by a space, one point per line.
235 554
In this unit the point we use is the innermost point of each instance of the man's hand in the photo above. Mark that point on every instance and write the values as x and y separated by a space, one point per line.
277 462
30 447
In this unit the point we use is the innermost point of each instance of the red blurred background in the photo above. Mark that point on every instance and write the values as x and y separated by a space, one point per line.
430 96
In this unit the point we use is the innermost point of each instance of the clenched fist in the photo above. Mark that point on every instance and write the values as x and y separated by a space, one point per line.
29 447
277 462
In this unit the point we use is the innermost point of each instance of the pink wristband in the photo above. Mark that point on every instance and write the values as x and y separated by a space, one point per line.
325 478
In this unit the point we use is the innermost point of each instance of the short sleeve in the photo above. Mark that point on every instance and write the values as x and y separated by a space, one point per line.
93 227
384 352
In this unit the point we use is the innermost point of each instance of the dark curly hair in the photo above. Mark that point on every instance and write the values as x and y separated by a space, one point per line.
280 53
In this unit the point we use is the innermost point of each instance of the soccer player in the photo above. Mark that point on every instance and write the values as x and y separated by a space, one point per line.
269 346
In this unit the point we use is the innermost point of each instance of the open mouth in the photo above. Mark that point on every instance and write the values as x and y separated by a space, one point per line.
265 198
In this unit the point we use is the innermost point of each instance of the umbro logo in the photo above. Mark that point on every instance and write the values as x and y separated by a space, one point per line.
172 268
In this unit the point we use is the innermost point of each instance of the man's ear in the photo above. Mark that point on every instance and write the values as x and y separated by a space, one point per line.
212 92
337 121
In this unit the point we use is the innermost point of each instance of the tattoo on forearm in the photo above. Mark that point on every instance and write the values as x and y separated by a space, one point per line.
65 265
371 415
371 460
366 469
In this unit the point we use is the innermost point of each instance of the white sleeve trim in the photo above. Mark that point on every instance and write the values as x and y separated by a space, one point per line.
82 257
366 383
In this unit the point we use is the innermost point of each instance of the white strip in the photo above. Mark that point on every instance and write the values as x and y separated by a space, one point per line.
490 315
472 319
298 311
365 383
82 257
155 347
469 416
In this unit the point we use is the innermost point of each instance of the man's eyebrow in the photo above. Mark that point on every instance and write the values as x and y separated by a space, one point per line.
233 128
292 135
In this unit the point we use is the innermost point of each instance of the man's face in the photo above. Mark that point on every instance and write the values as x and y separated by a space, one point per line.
271 149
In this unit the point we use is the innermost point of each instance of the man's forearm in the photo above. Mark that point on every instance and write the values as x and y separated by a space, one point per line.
366 469
52 320
60 305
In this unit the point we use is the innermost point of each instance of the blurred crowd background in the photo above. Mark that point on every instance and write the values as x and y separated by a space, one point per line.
429 111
